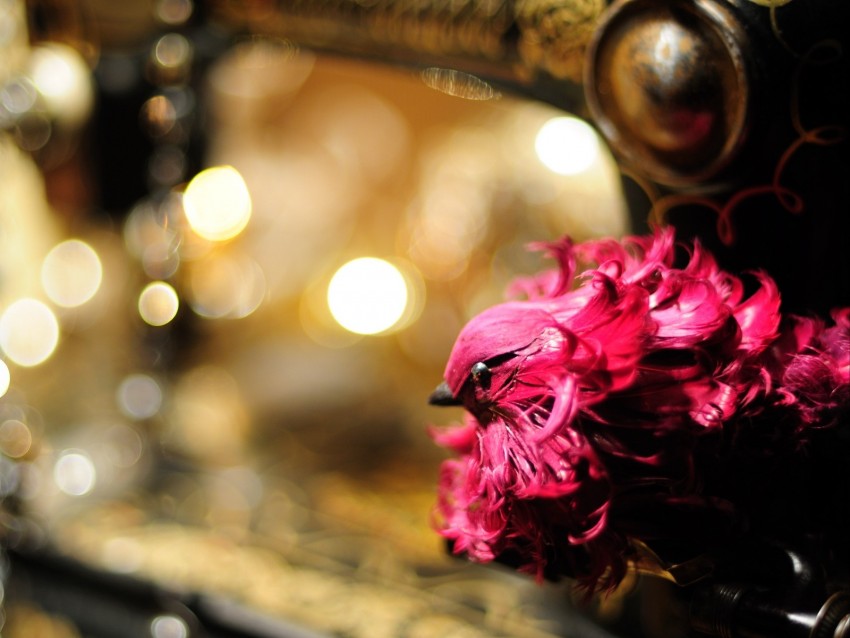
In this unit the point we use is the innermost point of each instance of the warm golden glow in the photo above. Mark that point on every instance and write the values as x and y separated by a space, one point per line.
174 12
367 295
63 79
208 416
567 146
5 378
74 473
122 554
151 236
121 445
71 273
226 286
217 203
29 332
15 438
158 303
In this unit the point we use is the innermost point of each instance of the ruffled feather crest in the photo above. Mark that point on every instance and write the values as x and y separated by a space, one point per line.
590 392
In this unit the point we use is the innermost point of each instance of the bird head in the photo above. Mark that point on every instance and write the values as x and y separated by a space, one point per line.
506 362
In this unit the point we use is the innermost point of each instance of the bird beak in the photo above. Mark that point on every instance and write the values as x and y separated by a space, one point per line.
442 395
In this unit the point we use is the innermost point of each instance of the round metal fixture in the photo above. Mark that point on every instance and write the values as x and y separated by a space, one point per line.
668 85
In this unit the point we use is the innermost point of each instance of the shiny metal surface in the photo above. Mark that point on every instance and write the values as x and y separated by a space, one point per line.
535 47
668 85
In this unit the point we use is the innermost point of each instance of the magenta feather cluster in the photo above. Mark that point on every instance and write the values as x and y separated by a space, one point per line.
609 407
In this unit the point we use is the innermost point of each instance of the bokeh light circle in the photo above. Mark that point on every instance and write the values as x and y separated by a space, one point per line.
367 295
5 378
158 303
71 273
74 473
566 145
217 203
29 332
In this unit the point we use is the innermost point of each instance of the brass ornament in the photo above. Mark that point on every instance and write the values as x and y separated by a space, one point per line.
669 87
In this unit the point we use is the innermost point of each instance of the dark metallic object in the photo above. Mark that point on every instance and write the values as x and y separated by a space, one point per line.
107 605
736 611
668 84
534 47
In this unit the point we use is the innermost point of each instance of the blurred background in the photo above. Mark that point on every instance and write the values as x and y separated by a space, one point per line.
231 272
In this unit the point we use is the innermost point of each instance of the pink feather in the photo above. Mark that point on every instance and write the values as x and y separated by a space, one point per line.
589 393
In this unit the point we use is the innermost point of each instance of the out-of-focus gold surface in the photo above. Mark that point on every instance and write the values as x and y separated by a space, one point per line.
205 418
518 42
25 621
343 577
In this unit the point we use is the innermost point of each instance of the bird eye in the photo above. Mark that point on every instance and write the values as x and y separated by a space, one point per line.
481 374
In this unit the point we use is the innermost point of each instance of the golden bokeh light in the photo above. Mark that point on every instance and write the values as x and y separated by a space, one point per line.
226 286
15 438
158 115
174 12
64 81
71 273
5 378
208 416
122 555
567 145
217 203
158 303
74 473
367 136
316 320
151 236
368 295
29 332
448 227
121 446
146 226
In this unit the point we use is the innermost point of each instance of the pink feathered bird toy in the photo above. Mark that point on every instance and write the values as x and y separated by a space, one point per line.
642 407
